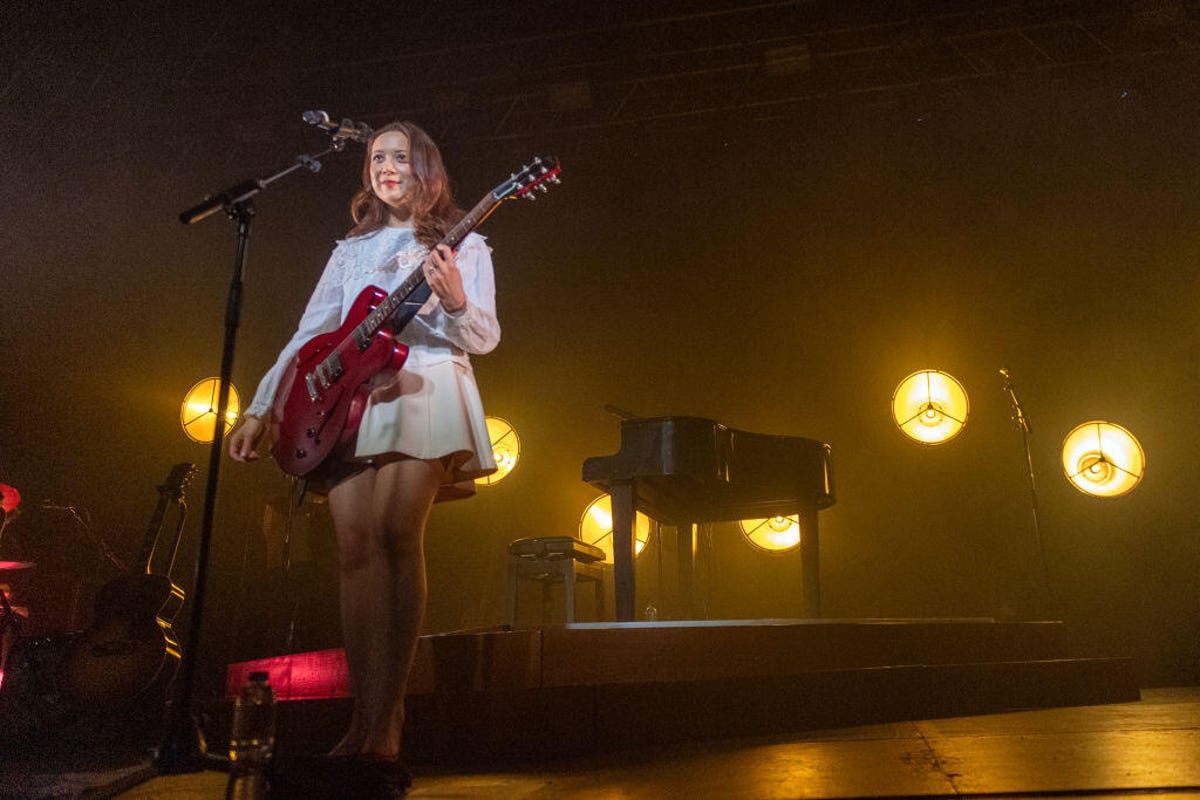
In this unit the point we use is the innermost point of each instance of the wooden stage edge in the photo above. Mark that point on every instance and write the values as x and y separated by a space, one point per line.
559 690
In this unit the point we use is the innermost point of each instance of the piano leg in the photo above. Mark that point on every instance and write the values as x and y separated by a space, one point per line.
685 545
810 562
569 589
621 496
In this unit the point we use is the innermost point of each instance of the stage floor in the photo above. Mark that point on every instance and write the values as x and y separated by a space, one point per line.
737 708
1151 747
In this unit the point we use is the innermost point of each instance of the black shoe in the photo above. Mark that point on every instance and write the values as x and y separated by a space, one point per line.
392 775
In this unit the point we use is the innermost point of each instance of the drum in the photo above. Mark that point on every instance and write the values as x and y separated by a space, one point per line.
63 563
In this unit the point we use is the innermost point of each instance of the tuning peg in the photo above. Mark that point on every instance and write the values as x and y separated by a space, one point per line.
554 178
543 187
530 196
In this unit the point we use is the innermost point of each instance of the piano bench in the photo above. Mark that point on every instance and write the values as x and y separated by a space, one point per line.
550 560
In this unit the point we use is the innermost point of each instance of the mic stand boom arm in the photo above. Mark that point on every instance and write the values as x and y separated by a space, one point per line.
182 748
241 193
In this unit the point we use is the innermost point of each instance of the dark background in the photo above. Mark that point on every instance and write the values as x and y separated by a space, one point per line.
771 213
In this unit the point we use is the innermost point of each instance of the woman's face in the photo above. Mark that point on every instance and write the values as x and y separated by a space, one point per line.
391 172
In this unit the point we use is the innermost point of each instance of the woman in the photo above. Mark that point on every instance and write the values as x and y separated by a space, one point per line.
422 436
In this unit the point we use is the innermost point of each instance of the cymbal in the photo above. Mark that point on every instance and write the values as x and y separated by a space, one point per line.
6 565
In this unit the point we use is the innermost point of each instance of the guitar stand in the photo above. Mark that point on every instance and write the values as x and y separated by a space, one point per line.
182 748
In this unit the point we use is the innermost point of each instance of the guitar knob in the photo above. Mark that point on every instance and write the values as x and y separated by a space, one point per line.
311 432
301 453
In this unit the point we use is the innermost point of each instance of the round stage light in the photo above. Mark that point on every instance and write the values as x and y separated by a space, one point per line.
506 449
1103 459
774 535
596 524
930 407
198 415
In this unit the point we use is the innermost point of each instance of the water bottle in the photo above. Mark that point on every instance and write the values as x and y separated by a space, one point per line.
252 740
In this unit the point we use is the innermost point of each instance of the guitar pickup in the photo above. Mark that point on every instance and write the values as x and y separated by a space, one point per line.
325 374
333 366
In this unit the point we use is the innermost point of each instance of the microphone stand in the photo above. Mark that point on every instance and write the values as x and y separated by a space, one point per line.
1022 423
182 748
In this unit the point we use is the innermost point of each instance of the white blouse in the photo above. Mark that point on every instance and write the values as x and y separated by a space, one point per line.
384 258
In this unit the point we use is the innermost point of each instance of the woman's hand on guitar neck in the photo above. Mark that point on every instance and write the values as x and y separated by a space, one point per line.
444 278
243 442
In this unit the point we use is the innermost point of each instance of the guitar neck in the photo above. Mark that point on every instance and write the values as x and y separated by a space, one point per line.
151 537
402 305
170 491
414 291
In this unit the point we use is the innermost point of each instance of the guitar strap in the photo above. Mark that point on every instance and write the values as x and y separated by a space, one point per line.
411 305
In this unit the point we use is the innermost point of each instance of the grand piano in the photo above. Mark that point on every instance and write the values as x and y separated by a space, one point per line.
684 470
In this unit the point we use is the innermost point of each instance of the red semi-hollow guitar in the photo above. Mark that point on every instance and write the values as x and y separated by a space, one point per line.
324 391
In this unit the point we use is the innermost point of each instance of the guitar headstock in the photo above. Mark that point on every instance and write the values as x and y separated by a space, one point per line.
178 479
539 172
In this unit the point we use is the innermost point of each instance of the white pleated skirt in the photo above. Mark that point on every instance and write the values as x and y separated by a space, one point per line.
430 412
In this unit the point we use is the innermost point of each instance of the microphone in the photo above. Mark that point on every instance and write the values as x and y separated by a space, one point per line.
346 129
320 119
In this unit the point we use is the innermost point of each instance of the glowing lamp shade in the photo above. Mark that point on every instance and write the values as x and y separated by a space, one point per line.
198 415
596 524
506 449
930 407
1103 459
774 535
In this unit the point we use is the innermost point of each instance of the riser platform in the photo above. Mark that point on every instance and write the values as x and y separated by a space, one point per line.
499 694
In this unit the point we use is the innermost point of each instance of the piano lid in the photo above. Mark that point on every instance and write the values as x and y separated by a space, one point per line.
696 469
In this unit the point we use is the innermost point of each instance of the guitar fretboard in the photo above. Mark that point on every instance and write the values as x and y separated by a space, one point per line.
414 291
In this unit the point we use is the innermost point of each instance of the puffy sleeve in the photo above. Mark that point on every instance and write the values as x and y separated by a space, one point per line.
322 314
474 328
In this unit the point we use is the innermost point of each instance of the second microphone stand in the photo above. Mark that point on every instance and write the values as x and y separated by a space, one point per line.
1022 423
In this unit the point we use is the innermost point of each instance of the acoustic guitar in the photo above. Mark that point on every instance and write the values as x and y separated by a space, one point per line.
324 391
130 645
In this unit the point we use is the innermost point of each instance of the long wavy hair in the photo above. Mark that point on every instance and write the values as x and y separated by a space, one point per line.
434 211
